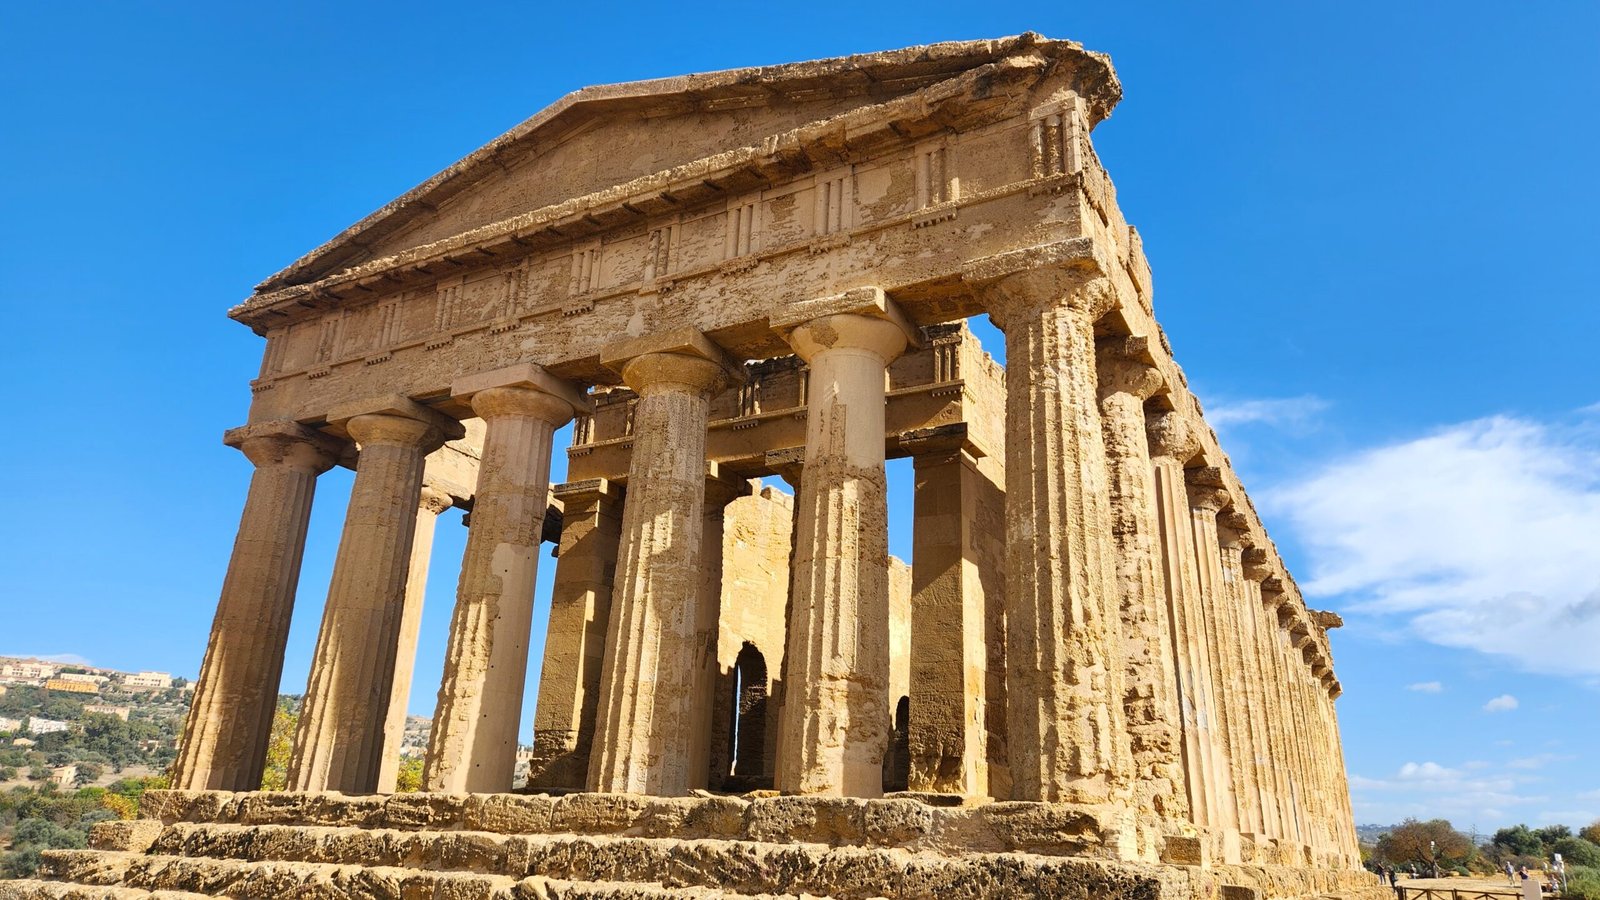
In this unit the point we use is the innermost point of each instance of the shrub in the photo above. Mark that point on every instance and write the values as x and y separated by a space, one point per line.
1577 852
1583 883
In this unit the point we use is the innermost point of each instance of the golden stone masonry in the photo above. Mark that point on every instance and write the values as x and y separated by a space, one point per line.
1094 679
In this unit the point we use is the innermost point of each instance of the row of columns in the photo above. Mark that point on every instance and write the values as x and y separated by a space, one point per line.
1132 643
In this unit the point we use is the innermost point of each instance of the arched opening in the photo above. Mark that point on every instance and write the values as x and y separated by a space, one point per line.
749 732
897 759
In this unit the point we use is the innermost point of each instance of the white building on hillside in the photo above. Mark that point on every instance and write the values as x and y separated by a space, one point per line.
39 725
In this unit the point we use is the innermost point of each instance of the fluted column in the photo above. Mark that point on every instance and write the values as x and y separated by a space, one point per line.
1231 610
1064 653
957 612
644 727
574 646
705 697
1266 700
339 744
1172 445
1289 755
836 715
1206 499
1127 379
473 745
225 737
430 505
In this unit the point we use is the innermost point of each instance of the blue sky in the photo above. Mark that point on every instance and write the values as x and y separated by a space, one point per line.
1374 246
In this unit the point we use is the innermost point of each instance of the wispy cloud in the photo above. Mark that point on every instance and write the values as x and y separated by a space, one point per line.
1426 687
1295 411
1480 536
1502 703
1539 761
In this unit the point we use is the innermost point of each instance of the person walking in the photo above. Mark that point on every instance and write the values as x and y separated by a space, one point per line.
1511 874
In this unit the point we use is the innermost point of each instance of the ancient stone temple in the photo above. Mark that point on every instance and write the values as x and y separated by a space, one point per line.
746 290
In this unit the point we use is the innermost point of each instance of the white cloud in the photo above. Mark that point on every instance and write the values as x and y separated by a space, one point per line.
1426 687
1428 771
1274 411
1428 788
1502 703
1479 536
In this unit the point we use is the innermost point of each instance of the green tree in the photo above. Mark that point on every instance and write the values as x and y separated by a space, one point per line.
279 746
1423 843
1577 851
409 778
1591 832
1519 840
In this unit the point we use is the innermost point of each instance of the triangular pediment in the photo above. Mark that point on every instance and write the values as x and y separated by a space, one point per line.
600 137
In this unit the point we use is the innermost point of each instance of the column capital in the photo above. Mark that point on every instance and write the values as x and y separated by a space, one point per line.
384 419
1125 365
861 319
1070 273
285 443
1171 436
1206 488
529 377
682 356
1257 563
434 500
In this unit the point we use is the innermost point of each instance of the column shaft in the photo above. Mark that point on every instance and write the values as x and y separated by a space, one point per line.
1240 692
1172 444
1064 653
473 745
1149 697
1203 511
644 729
574 647
957 612
339 743
432 503
836 716
225 737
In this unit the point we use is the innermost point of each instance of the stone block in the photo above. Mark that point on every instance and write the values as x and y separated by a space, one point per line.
1051 829
184 806
597 813
433 811
896 823
826 820
1183 850
1239 892
134 835
509 813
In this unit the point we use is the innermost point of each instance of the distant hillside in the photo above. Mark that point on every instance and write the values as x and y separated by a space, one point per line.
1369 834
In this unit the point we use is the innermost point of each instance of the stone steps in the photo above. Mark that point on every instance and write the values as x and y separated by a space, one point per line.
33 889
116 874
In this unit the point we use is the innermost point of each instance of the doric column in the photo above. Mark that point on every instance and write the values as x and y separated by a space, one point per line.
1289 753
339 744
1266 700
1128 377
836 716
1172 445
473 745
720 491
225 738
574 647
957 611
644 726
1064 653
431 504
1207 497
1231 609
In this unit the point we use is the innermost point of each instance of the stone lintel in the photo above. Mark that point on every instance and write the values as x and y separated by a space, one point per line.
525 375
686 341
394 405
723 487
937 441
279 428
785 462
595 487
871 302
1079 253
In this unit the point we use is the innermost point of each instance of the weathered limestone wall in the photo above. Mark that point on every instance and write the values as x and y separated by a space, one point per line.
755 577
